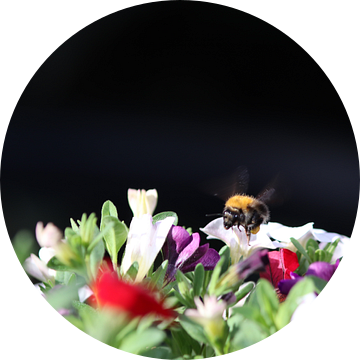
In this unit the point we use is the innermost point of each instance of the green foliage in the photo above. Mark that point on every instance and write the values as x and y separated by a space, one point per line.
24 244
195 334
164 215
311 253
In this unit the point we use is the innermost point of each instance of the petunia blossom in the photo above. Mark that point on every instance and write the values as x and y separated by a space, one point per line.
144 242
283 234
135 300
320 269
209 314
38 269
184 253
142 202
48 238
237 273
281 264
237 240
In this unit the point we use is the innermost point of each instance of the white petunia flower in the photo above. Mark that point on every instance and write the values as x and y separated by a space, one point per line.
144 242
38 269
237 240
142 202
283 234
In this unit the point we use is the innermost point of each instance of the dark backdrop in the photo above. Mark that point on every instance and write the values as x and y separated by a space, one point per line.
170 95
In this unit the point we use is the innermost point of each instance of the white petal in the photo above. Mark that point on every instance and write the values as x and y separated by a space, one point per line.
139 233
133 196
84 292
48 236
151 198
215 230
37 268
284 233
45 254
152 246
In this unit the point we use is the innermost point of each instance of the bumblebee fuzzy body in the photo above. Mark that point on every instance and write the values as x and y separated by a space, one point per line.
246 211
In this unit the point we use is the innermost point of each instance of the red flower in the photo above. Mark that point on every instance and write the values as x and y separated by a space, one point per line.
281 264
134 299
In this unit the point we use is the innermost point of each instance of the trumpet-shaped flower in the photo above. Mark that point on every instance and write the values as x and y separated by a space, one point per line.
144 242
142 202
237 240
282 234
209 314
133 299
237 273
184 253
48 238
38 269
281 264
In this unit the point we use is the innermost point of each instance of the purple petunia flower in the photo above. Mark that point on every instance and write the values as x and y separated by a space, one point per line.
320 269
184 253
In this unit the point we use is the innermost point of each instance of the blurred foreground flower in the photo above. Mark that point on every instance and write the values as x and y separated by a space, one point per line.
184 253
142 202
144 242
133 299
47 237
237 240
209 314
237 273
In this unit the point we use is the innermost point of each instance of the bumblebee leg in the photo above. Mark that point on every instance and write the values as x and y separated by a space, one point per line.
248 234
255 222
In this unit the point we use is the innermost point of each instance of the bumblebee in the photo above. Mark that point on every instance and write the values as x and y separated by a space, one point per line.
241 209
247 211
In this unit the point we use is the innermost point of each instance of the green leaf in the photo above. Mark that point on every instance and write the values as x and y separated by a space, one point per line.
244 290
225 253
196 331
301 249
185 287
250 333
96 256
24 244
320 255
158 352
157 278
136 343
115 237
55 264
287 308
312 243
164 215
74 225
75 321
215 276
108 209
246 312
82 307
199 276
62 297
184 342
332 247
133 270
267 300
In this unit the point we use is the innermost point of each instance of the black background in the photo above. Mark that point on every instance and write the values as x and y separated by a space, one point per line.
171 95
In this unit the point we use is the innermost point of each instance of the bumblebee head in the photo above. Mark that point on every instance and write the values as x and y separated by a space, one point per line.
232 218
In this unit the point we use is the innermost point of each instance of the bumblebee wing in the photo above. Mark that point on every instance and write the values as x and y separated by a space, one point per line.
235 182
266 195
276 193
